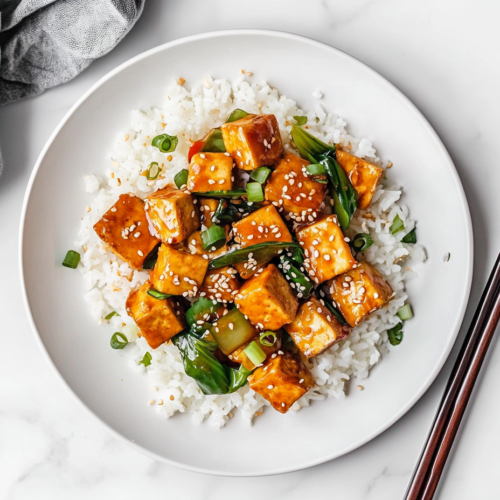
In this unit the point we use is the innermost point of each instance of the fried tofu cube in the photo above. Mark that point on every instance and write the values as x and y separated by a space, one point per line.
178 273
359 292
293 189
158 320
124 228
221 284
327 253
364 176
194 245
282 380
240 357
315 329
172 215
267 299
253 141
208 207
210 172
261 226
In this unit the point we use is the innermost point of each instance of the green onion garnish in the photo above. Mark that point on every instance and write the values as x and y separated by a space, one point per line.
411 237
71 260
316 169
255 192
255 353
158 295
110 315
301 120
146 360
181 178
396 334
260 174
397 225
214 143
165 143
237 114
361 242
118 341
213 237
265 336
231 193
405 312
153 171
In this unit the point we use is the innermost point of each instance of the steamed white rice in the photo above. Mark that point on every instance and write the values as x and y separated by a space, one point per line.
190 114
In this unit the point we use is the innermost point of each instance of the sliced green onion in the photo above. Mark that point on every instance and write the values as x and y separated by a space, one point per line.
237 114
411 237
71 260
181 178
316 169
405 312
297 255
396 334
165 143
214 142
397 225
232 193
361 242
200 308
299 281
151 258
260 174
264 336
110 315
255 353
158 295
233 331
153 171
213 238
301 120
146 360
255 192
118 341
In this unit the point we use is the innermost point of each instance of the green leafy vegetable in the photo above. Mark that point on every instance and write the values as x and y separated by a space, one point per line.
298 279
237 378
233 193
165 143
261 174
361 242
308 145
255 353
110 315
268 338
237 114
233 331
397 225
118 341
153 171
146 360
181 178
226 213
396 334
338 315
214 142
158 295
301 120
316 169
405 312
262 252
151 258
71 260
200 308
255 192
411 237
213 238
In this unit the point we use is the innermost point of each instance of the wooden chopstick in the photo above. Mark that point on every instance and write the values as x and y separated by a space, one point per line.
457 393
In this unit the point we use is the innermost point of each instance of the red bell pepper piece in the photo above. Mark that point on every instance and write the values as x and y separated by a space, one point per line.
195 148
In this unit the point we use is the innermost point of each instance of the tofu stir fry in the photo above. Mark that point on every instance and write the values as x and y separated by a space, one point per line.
251 273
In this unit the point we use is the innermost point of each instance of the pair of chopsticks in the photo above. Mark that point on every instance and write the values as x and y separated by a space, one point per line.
456 396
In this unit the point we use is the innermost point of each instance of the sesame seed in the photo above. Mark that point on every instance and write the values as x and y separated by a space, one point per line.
211 181
301 381
316 254
273 355
346 239
136 235
282 404
361 388
140 253
375 295
327 257
270 387
113 209
231 326
155 388
250 237
348 278
160 402
151 401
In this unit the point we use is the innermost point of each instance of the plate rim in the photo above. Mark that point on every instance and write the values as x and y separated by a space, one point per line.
416 112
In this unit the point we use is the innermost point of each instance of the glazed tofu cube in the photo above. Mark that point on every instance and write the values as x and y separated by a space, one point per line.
364 176
221 284
210 172
253 141
124 228
282 380
240 357
359 292
178 273
172 215
194 245
326 251
267 299
158 320
261 226
208 206
315 329
293 189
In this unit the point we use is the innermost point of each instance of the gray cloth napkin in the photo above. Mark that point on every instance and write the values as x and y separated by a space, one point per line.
44 43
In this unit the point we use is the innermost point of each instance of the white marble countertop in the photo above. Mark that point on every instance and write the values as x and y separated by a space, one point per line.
443 55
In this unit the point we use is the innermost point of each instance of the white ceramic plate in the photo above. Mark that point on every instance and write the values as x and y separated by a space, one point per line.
101 379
